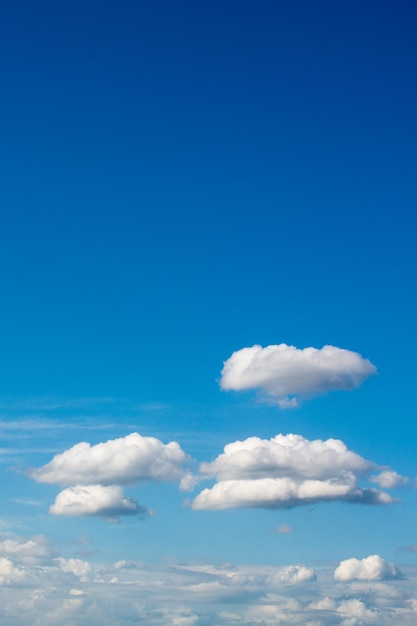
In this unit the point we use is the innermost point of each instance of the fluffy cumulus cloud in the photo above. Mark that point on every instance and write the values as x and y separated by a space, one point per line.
118 461
287 374
286 471
289 455
370 568
87 500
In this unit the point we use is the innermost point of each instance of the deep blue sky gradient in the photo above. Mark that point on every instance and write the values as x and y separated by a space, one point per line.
183 179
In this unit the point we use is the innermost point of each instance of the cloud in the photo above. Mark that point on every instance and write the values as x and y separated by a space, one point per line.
118 461
286 471
82 569
370 568
291 575
275 493
188 482
27 550
287 374
324 604
354 608
284 529
283 456
64 591
9 572
389 479
90 500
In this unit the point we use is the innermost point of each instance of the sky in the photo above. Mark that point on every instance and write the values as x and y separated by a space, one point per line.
207 266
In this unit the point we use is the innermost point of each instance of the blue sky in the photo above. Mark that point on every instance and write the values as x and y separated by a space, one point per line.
181 181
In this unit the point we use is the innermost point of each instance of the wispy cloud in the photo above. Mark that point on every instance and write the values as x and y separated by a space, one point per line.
27 502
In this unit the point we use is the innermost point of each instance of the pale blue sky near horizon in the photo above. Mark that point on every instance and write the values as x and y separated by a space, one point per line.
180 181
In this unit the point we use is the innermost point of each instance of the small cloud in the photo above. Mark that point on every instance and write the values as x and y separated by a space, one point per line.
188 482
291 575
9 572
286 374
370 568
81 569
324 604
389 479
76 592
284 529
95 500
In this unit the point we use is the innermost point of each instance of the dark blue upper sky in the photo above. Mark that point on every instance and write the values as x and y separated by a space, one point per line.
182 179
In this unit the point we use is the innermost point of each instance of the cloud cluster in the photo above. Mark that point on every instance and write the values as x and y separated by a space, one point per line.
61 591
97 472
370 568
286 471
281 472
286 374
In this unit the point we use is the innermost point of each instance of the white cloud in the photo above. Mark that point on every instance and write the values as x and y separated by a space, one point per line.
86 500
291 575
76 592
188 482
81 569
324 604
117 461
285 471
287 374
355 608
9 572
283 456
284 493
389 479
27 550
370 568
